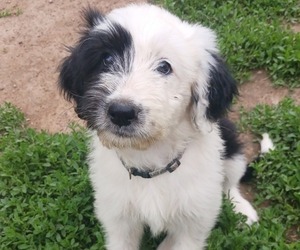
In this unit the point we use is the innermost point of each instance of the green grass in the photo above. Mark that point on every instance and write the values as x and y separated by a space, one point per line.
278 172
46 198
10 12
251 34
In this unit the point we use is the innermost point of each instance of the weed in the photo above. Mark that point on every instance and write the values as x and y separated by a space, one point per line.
13 12
10 118
45 196
277 174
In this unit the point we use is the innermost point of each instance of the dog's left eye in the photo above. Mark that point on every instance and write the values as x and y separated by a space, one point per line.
164 68
107 59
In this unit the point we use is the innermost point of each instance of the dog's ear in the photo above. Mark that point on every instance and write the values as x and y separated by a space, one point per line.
72 70
70 80
212 101
221 89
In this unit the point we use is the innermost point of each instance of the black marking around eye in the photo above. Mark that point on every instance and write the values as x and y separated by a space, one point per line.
86 61
108 59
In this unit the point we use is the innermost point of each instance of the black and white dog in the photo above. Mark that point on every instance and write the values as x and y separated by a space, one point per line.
153 91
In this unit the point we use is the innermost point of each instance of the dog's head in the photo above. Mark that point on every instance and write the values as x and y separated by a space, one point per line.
138 72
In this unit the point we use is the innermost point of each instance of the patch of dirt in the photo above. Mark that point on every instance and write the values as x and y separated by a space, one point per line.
259 90
293 234
296 27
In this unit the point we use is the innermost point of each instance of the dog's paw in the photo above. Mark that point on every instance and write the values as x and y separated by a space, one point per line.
252 217
245 208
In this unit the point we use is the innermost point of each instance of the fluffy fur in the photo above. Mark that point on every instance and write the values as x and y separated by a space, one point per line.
152 87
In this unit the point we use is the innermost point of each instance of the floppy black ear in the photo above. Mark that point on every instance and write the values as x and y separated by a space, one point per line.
70 82
73 69
221 89
212 102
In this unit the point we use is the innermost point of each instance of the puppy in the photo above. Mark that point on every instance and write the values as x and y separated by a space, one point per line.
154 90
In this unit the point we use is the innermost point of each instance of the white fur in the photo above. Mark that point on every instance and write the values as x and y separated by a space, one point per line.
266 144
185 203
234 170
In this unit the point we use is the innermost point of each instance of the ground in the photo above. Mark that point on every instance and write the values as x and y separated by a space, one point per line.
32 46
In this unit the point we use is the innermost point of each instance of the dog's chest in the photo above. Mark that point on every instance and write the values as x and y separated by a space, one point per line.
171 198
156 203
183 196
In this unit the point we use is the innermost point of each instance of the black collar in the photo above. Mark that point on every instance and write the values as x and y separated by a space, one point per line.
172 166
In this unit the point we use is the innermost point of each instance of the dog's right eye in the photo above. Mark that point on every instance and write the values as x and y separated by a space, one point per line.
164 68
107 59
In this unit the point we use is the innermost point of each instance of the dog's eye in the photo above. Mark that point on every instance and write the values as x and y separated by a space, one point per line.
164 68
107 59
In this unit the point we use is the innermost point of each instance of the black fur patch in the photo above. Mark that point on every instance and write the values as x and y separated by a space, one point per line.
91 17
222 89
83 67
230 137
248 175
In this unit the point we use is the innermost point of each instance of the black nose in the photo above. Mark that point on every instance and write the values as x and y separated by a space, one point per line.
122 114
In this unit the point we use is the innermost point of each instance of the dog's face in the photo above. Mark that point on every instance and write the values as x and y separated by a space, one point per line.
138 72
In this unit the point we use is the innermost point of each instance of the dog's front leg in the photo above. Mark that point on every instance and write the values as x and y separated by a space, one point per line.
123 234
183 241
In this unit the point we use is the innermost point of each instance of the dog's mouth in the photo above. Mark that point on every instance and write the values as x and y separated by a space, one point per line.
136 137
124 132
123 140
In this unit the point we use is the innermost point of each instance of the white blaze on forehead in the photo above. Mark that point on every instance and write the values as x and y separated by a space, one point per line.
145 20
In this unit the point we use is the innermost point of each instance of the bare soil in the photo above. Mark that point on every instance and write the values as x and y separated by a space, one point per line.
32 46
